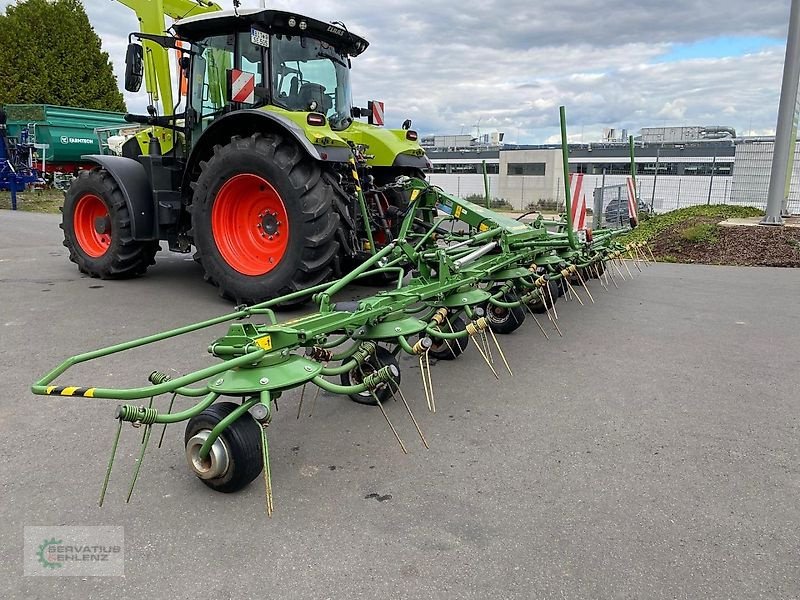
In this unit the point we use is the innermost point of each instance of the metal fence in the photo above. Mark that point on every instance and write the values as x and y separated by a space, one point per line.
741 180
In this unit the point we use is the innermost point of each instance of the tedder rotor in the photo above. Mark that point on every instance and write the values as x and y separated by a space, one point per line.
453 288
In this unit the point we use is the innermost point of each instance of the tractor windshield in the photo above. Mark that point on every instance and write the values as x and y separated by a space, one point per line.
311 75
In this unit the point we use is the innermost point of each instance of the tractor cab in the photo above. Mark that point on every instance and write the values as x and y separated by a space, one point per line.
270 58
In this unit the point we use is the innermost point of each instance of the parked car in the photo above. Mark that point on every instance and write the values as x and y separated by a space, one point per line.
617 213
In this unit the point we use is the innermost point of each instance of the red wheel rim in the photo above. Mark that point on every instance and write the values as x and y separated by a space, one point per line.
249 224
90 215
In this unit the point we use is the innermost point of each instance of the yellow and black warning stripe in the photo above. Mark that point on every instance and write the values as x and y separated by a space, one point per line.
57 390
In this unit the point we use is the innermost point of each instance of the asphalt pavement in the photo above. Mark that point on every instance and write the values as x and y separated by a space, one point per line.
652 452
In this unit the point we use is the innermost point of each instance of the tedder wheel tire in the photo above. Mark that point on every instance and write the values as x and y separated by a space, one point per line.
235 458
541 306
505 320
263 220
381 358
97 229
450 349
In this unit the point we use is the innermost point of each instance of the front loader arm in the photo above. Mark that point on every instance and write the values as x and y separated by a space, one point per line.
151 15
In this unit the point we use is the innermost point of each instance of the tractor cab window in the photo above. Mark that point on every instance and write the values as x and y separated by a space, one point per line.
211 84
311 76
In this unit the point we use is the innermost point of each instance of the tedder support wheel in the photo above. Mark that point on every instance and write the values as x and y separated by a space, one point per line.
505 320
263 220
97 229
381 358
450 349
541 306
235 458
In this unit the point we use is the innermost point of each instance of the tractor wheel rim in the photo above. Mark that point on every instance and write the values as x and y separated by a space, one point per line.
88 210
250 224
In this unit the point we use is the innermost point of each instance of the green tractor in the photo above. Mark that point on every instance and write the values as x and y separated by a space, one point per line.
262 166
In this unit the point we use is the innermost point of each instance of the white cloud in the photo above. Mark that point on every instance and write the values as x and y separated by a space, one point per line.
674 110
512 63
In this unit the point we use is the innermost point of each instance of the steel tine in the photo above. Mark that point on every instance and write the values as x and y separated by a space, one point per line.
267 470
625 263
313 403
169 410
553 320
552 302
616 266
641 253
650 250
411 414
485 342
150 405
388 422
424 383
110 463
547 337
446 341
302 395
583 283
610 274
574 291
599 276
316 395
500 351
478 347
634 259
147 430
430 379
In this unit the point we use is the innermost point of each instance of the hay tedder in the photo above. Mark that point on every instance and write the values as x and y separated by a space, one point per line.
461 274
269 176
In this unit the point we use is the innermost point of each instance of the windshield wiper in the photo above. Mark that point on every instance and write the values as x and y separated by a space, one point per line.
335 59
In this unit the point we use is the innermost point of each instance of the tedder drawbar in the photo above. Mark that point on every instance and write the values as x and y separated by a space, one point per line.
451 285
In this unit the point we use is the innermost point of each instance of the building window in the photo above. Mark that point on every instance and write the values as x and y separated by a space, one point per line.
612 169
527 169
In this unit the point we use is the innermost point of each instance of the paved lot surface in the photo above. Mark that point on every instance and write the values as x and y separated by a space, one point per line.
651 453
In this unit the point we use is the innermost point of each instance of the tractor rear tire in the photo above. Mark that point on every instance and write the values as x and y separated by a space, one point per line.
263 220
97 229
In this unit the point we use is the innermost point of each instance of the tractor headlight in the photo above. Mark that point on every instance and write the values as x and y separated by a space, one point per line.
303 25
292 21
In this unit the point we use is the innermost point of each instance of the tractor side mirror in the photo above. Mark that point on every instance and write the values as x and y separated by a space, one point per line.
134 67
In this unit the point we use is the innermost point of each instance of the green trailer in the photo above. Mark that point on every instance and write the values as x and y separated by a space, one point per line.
65 133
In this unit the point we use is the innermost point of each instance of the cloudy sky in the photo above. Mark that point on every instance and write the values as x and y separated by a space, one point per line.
509 65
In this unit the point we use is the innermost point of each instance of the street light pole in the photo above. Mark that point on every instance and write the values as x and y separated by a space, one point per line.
783 130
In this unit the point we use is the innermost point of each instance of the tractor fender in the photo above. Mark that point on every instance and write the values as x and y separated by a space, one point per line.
132 179
243 122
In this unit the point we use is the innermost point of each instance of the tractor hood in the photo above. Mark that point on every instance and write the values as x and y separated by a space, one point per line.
200 27
386 147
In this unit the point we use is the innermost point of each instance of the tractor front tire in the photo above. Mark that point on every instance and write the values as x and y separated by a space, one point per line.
97 229
263 220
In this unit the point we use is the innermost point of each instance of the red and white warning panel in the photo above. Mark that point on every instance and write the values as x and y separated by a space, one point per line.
578 201
375 112
242 86
632 204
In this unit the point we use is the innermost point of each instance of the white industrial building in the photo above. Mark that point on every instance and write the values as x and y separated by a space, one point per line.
668 175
